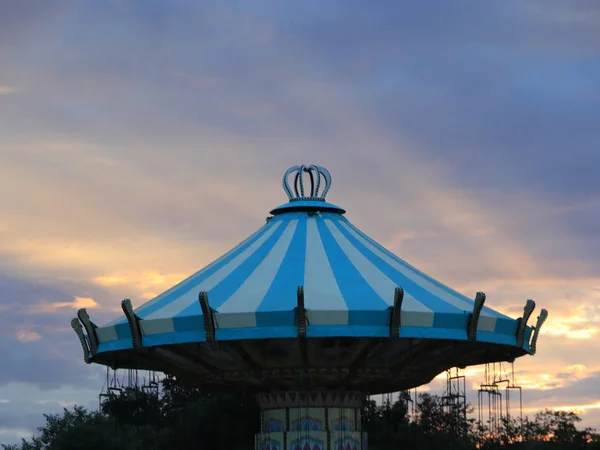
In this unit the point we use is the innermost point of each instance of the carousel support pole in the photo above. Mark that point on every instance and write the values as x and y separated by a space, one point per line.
301 323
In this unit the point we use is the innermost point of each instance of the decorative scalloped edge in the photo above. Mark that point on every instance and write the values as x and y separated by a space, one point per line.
319 399
474 316
306 199
90 329
84 345
136 333
540 321
522 322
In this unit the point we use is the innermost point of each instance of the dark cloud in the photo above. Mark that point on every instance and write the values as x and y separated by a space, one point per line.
23 404
19 21
36 336
467 84
576 392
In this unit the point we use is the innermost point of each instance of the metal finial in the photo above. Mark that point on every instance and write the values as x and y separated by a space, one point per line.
299 191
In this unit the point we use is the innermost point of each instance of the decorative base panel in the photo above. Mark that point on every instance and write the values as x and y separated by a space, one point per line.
311 421
312 440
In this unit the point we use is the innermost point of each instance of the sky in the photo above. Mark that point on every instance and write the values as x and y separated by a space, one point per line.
141 140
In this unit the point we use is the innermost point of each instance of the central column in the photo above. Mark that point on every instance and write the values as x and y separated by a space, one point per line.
311 420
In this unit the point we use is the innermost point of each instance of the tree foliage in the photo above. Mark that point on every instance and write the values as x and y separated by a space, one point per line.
184 417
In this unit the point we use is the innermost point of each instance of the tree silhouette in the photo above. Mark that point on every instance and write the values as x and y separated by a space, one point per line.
183 417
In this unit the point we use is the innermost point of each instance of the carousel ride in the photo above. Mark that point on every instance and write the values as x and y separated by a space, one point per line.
312 315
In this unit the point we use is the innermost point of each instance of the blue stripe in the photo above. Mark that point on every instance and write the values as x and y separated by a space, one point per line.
433 333
190 329
189 323
506 326
232 334
199 277
438 284
123 331
225 289
180 337
364 305
453 320
290 331
112 346
495 338
277 307
381 331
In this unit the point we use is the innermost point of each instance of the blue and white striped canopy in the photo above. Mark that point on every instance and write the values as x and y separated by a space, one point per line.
348 279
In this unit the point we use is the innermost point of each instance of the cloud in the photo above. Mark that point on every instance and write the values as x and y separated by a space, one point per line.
145 284
62 404
6 90
573 389
578 409
40 346
13 436
50 308
28 336
80 302
22 414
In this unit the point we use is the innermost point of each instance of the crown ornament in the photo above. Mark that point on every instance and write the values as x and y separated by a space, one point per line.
315 188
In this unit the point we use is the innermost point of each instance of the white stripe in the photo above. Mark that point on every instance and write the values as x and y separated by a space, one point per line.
252 292
321 317
416 318
486 323
118 321
140 309
379 282
235 320
145 306
321 290
453 300
188 298
157 326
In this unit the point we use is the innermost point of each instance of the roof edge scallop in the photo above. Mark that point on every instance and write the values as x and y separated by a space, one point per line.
307 206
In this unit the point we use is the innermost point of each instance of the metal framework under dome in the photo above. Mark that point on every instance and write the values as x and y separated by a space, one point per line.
308 302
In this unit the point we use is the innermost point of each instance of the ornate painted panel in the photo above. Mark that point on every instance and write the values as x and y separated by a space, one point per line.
307 419
347 443
271 441
341 419
316 440
274 421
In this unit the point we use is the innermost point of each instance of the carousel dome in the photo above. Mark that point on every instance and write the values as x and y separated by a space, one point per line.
309 272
